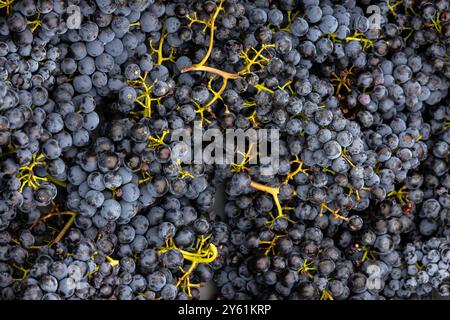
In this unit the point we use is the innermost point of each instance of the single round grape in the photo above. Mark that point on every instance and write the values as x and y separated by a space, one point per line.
110 210
299 27
332 149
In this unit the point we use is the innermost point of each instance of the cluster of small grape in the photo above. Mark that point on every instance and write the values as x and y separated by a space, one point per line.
364 169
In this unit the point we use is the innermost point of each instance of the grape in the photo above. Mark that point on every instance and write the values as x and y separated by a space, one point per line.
120 26
299 27
86 66
313 13
89 31
130 192
99 79
156 281
114 47
169 292
81 137
94 48
110 210
82 83
104 62
66 287
332 150
149 22
91 121
172 25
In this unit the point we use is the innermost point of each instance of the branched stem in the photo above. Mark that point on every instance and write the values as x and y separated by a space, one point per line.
34 24
56 212
157 140
358 36
270 190
271 243
203 252
24 273
6 4
401 195
343 80
159 51
326 295
27 176
57 182
184 173
347 157
335 213
307 267
393 6
211 32
145 98
246 157
291 175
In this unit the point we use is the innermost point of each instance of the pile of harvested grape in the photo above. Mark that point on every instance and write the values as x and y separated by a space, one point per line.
98 198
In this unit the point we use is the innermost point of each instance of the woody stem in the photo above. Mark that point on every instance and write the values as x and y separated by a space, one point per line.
220 73
211 35
65 229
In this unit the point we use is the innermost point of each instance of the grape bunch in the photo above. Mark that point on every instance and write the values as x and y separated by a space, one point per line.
97 200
